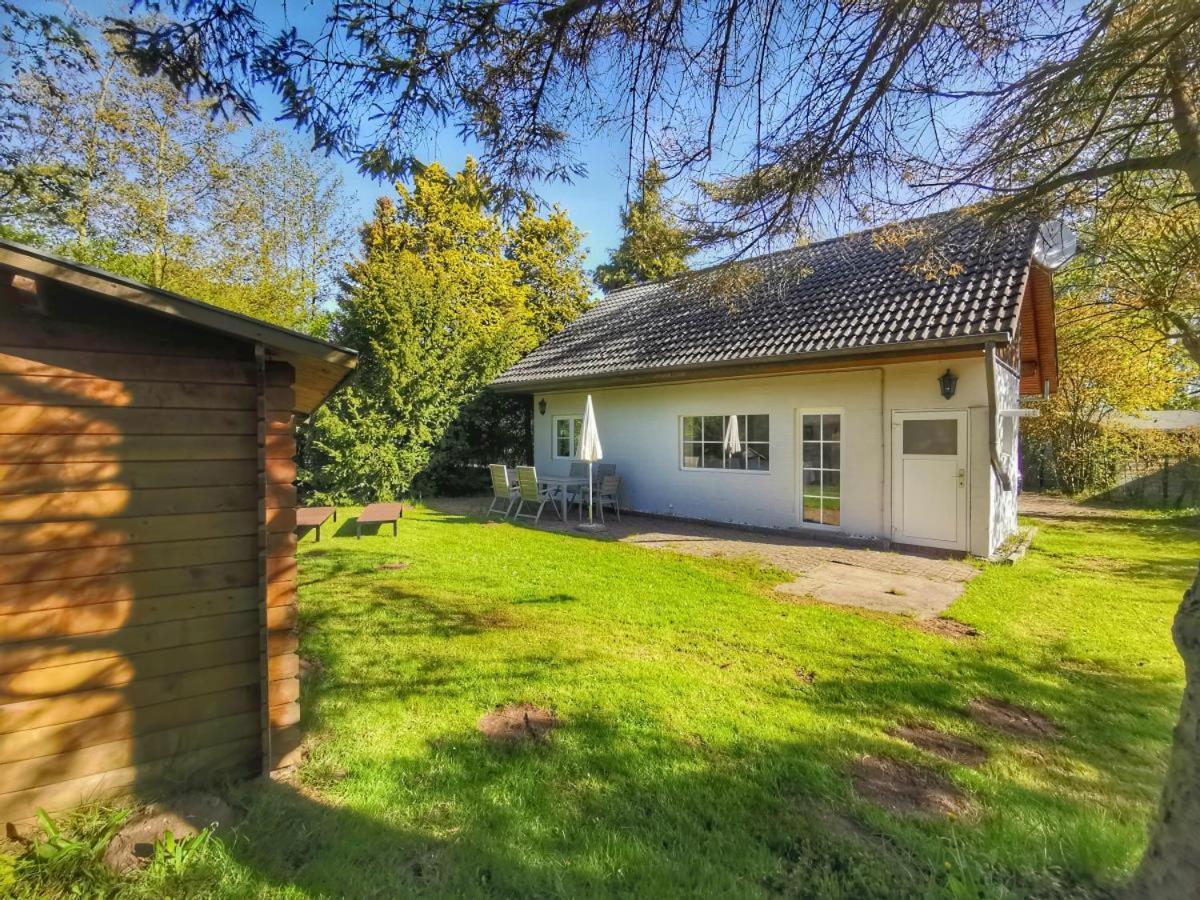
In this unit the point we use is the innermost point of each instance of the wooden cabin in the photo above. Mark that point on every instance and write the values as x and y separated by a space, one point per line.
147 535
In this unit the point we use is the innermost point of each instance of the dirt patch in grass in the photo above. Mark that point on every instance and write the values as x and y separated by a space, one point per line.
1018 721
518 723
946 627
805 675
392 566
184 816
939 743
905 789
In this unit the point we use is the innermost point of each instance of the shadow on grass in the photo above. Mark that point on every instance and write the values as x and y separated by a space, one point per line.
613 805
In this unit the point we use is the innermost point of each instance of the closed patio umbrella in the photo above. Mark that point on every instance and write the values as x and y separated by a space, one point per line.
733 440
590 450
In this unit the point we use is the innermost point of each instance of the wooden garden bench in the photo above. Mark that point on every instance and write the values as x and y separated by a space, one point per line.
378 513
314 517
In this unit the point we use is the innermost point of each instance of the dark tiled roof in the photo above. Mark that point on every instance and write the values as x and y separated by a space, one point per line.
949 277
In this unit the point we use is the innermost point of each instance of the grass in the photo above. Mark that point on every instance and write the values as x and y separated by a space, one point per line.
707 726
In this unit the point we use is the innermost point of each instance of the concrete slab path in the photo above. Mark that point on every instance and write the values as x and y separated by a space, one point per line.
911 584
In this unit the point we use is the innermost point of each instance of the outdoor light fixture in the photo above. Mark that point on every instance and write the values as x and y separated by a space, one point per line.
542 406
948 383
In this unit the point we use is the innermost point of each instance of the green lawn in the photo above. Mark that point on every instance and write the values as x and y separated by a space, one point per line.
694 756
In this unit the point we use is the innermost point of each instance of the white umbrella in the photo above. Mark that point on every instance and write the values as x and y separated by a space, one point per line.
733 441
590 450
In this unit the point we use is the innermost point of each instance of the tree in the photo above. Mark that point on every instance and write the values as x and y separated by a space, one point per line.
493 427
34 48
437 311
149 186
790 110
1106 367
653 244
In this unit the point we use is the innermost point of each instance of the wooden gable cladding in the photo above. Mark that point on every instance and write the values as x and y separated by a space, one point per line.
1036 334
147 552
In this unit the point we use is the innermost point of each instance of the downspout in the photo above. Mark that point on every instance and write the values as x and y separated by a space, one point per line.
994 418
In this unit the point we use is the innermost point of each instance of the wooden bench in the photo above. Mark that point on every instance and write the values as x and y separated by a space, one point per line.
314 517
378 513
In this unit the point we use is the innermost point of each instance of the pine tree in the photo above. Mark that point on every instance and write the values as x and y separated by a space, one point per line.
654 244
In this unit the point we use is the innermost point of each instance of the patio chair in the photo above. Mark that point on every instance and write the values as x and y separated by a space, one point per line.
503 491
528 491
606 493
578 470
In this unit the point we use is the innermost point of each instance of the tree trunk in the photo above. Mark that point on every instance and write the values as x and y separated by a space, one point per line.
1171 867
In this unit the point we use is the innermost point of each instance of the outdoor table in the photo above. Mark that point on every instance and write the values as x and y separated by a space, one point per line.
314 517
378 513
563 483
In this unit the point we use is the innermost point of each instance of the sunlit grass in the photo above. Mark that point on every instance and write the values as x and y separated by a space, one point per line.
696 756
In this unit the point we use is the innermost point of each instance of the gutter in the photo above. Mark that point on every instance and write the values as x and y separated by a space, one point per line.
989 356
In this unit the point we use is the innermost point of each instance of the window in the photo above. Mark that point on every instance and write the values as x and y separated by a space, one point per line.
821 470
568 430
705 447
932 437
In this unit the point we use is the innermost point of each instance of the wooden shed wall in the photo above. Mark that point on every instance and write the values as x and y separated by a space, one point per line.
147 553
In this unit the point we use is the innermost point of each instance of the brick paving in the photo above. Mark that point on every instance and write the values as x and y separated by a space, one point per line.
907 583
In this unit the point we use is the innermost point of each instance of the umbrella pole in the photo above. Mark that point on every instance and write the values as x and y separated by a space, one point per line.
590 494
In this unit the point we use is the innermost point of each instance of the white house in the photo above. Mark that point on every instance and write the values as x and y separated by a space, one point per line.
876 380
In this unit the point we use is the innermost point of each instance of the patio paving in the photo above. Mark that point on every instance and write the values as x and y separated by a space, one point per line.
909 584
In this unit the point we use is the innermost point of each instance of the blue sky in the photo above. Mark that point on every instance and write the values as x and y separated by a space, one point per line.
593 202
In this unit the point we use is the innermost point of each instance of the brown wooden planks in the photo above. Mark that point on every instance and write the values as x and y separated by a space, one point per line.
65 363
125 448
120 670
124 643
210 764
59 419
40 712
75 620
129 751
32 478
119 501
25 538
114 588
28 568
67 737
19 390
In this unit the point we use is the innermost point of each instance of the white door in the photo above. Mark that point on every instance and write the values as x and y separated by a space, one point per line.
929 479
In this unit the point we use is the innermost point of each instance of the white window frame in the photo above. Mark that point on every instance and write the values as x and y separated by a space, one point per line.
819 411
574 436
770 442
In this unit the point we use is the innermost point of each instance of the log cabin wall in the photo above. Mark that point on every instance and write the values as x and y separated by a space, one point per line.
147 552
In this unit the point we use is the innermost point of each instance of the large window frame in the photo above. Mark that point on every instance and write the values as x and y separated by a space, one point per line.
711 437
821 458
574 435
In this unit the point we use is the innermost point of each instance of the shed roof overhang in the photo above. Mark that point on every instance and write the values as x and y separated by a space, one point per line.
321 367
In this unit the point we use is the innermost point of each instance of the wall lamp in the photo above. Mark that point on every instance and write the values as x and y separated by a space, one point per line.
948 383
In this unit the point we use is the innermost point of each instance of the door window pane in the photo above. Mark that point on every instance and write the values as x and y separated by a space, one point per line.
821 468
935 437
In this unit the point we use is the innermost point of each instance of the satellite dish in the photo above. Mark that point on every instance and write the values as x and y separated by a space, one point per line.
1055 244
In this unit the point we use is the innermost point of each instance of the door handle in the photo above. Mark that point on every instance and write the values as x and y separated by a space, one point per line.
962 477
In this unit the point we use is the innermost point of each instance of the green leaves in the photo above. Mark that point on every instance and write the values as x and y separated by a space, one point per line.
444 297
654 245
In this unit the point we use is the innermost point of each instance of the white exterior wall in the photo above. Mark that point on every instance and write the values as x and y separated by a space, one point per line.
640 431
